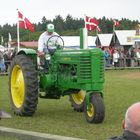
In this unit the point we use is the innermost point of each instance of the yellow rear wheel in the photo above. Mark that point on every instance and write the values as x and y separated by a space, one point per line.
77 100
23 86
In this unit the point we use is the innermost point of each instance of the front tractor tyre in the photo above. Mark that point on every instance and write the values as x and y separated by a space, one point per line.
96 111
23 86
77 100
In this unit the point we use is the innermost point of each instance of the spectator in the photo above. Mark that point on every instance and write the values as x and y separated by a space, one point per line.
116 58
107 57
121 57
7 59
138 56
131 124
111 51
128 58
133 56
2 65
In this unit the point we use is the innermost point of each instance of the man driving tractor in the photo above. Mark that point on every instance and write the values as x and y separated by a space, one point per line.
42 41
44 38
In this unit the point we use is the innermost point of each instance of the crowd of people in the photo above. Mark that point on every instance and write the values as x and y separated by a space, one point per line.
118 57
114 57
5 59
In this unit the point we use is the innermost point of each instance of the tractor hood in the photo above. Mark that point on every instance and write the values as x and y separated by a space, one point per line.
74 55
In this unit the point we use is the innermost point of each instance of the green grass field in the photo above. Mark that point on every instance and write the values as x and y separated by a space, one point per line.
121 89
8 138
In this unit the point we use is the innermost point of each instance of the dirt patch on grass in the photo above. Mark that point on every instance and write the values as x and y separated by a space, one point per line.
135 75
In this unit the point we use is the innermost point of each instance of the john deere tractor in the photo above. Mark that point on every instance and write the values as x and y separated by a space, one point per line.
76 73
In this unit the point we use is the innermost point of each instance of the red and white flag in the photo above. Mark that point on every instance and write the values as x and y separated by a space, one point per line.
25 23
91 24
116 23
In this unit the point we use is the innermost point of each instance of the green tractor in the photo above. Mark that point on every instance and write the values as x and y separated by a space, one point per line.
76 73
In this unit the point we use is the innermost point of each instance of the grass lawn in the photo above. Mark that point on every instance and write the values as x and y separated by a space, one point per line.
8 138
121 89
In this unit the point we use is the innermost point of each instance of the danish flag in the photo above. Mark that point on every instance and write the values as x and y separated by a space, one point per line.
25 23
91 24
116 23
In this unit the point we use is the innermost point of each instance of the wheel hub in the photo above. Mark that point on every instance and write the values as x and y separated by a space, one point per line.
79 97
17 86
90 111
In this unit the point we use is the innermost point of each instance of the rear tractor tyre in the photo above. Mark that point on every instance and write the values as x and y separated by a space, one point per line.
77 100
96 113
23 86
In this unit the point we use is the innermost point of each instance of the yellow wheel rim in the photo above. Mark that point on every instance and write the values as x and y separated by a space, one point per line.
90 112
79 97
17 86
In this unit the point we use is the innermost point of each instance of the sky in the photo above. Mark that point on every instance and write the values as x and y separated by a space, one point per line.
34 10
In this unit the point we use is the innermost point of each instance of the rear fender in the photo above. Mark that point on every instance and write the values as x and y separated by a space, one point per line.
31 53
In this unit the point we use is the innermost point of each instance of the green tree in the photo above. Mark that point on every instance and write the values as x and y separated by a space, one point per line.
44 21
64 26
59 23
69 23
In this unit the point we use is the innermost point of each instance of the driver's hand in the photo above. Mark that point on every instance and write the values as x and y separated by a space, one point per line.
40 53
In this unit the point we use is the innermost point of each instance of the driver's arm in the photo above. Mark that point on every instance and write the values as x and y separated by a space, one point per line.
41 44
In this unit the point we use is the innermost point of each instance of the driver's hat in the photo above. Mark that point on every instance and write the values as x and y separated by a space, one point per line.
50 27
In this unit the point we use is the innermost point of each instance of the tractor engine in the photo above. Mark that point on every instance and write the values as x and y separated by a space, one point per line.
73 70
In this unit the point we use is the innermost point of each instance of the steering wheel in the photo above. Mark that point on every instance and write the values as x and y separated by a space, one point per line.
55 42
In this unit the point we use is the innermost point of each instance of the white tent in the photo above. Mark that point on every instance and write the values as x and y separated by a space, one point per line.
105 39
71 41
125 37
74 41
91 41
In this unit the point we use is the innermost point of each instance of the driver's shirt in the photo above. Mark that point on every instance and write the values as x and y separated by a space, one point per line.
42 42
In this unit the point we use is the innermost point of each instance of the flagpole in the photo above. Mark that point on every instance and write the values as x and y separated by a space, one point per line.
85 20
9 41
97 35
85 35
18 41
114 34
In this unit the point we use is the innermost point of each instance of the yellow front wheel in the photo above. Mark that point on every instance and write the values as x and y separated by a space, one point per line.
95 111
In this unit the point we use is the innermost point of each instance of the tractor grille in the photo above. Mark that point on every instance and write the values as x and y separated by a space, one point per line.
91 68
85 67
101 69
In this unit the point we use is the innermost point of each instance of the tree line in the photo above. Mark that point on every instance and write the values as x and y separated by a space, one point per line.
68 26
